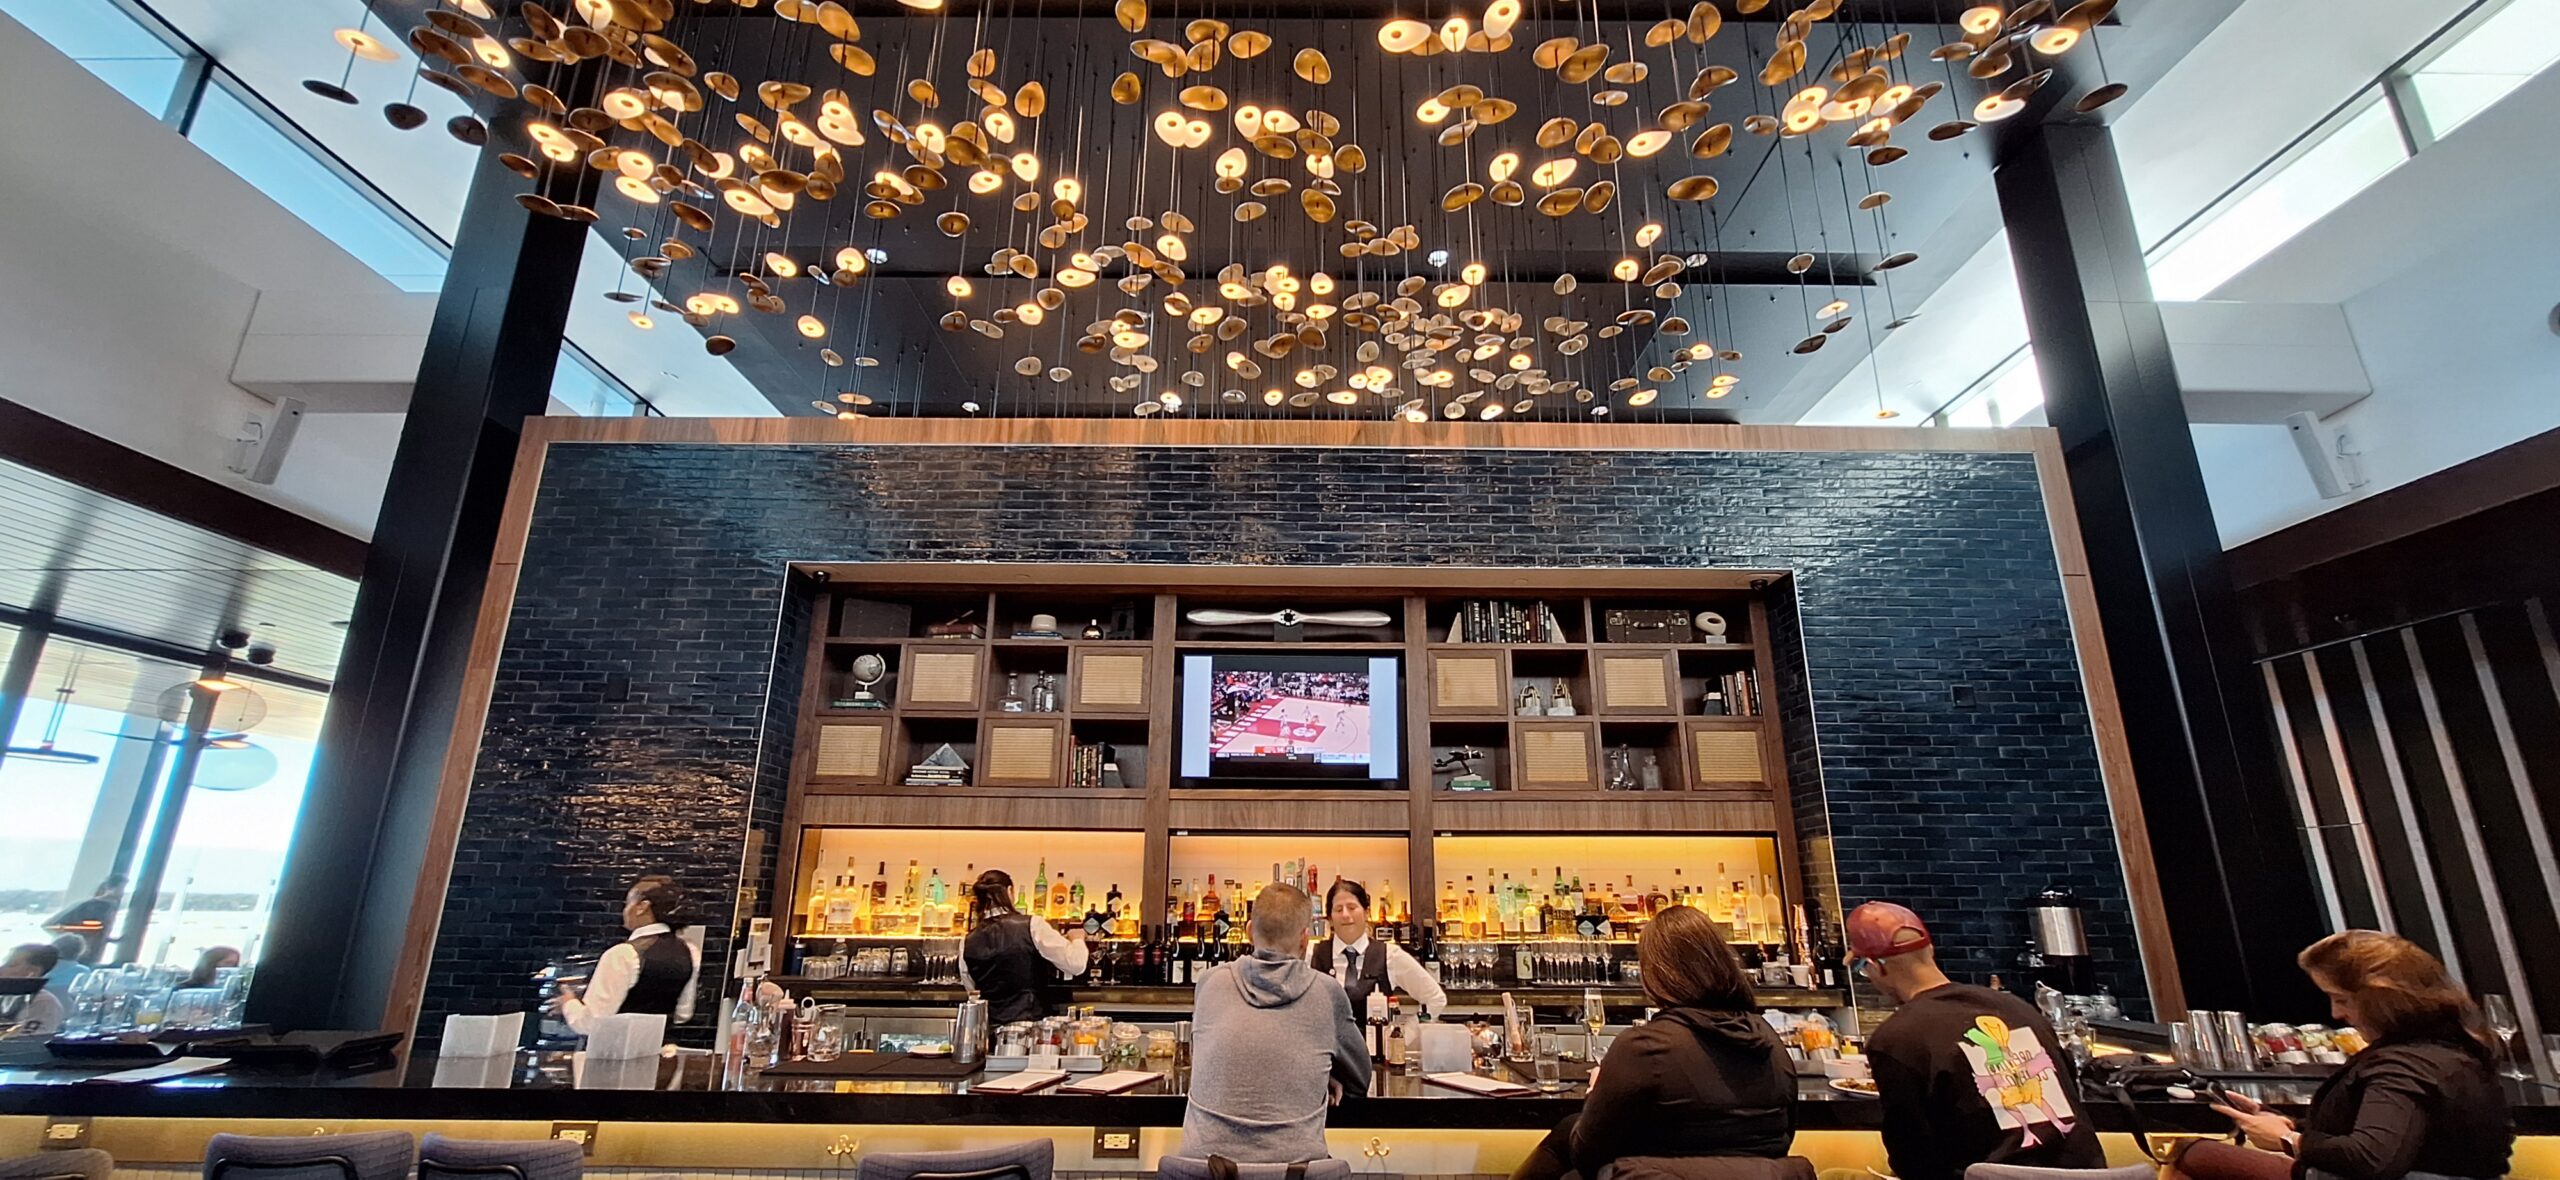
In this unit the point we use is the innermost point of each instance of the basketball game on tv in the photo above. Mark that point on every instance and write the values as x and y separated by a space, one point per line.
1288 717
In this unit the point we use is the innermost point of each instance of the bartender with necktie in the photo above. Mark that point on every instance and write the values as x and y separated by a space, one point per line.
1362 964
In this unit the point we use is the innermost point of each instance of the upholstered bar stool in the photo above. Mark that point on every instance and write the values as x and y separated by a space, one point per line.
87 1163
2010 1172
1032 1160
440 1158
364 1155
1183 1167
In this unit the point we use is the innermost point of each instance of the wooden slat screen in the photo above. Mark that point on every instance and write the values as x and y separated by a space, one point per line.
850 750
1727 756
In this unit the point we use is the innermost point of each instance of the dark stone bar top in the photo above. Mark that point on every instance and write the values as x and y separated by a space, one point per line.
452 1092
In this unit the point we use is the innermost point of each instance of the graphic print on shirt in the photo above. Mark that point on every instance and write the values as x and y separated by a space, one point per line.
2017 1077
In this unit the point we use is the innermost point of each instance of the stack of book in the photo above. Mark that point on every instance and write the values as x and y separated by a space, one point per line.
942 768
1488 621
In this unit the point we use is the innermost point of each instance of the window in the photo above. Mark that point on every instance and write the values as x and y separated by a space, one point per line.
589 391
230 130
91 774
2357 146
119 50
2008 396
2484 64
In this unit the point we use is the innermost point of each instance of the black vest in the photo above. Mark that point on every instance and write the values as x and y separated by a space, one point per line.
1372 976
666 965
1017 983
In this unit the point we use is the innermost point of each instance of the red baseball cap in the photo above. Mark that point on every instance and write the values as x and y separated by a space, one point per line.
1881 930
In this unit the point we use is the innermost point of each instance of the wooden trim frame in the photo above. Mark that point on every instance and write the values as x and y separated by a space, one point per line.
462 750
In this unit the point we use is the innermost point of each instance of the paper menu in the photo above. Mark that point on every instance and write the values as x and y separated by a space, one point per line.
1110 1083
177 1067
1020 1083
1488 1087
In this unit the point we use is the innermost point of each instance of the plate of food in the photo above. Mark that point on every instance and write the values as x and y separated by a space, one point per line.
1862 1087
934 1049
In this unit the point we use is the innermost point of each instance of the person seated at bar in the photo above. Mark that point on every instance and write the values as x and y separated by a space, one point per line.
1705 1078
2422 1100
1967 1075
1013 960
67 967
1364 965
210 964
653 973
40 1013
1273 1044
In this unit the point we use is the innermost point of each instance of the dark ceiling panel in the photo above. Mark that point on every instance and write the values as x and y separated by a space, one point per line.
108 564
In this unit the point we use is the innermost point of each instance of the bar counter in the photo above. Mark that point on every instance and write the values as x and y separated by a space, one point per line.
452 1090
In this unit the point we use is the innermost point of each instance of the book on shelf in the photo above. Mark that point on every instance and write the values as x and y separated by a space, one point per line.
1741 693
1497 621
942 768
1094 764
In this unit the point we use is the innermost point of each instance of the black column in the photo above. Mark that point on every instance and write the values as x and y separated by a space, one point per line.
342 910
2233 873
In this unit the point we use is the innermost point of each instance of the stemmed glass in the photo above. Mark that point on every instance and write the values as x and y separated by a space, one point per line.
2502 1020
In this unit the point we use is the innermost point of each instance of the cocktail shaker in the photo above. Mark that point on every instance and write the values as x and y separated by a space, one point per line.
969 1032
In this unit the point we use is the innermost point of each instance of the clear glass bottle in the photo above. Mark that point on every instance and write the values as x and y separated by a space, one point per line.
1044 693
1649 776
1011 701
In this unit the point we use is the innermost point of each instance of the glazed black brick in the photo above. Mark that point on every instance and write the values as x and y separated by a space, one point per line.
641 717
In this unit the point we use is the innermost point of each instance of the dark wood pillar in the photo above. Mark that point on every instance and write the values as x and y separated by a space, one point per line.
343 909
2233 873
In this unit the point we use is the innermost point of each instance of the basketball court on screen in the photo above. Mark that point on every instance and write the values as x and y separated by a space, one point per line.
1299 726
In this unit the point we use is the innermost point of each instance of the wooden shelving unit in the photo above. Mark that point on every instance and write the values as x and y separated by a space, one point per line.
1720 774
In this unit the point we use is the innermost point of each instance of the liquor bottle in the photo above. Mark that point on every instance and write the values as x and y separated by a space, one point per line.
911 895
937 895
1382 907
1769 915
880 897
816 922
1471 910
1396 1049
1655 902
1112 901
1183 950
1058 900
1738 912
1209 898
1076 898
1039 896
1719 904
1448 903
1827 968
1096 924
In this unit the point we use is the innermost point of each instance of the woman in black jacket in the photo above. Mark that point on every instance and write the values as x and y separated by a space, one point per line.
2423 1098
1706 1077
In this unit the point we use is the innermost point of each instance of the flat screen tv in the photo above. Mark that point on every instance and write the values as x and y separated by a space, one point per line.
1280 719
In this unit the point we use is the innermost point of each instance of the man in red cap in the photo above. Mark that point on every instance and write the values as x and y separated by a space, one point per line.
1967 1075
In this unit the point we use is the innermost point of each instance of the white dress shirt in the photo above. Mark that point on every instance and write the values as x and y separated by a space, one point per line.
614 975
1069 956
1404 972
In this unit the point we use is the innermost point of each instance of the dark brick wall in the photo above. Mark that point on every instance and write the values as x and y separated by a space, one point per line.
638 720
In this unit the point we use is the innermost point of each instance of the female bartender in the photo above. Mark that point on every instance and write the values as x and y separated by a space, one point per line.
1013 959
1363 964
651 974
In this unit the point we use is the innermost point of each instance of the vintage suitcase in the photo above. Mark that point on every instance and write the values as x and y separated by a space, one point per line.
1645 626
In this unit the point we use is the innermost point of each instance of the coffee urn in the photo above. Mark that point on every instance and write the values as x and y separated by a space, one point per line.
2060 935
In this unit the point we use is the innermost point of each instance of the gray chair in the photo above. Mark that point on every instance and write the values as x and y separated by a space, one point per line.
2012 1172
87 1163
1707 1167
1183 1167
440 1158
364 1155
1034 1159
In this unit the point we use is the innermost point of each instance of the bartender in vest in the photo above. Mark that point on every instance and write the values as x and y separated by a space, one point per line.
1362 964
1014 960
652 973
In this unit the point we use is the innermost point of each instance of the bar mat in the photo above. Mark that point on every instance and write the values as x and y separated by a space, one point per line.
877 1066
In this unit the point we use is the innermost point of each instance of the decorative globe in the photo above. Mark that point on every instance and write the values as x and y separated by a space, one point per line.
869 668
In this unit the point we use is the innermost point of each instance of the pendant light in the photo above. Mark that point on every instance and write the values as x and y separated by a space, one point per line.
46 750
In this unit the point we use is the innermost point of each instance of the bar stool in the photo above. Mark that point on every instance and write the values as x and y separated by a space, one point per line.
2014 1172
440 1158
363 1155
1033 1159
87 1163
1183 1167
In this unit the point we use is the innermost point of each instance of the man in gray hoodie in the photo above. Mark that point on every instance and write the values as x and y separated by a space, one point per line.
1272 1038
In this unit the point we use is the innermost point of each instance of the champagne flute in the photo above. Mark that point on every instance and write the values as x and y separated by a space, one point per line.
1595 1016
2502 1020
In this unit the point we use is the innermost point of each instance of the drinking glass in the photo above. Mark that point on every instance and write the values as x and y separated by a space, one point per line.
2502 1020
1595 1016
1550 1071
826 1040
